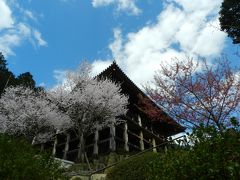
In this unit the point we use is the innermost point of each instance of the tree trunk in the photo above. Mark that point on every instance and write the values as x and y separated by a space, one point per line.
81 148
112 142
220 127
125 137
55 143
95 147
89 167
66 148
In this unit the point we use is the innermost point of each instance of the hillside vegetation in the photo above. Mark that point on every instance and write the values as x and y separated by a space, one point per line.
212 155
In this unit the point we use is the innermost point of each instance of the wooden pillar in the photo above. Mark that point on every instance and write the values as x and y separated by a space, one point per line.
141 141
34 140
112 143
66 148
151 128
55 143
154 145
140 134
42 147
81 149
95 147
139 121
125 137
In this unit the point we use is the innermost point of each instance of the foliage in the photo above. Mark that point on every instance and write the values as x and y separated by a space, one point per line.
25 112
19 160
134 169
3 63
26 79
7 78
89 102
230 19
195 93
212 155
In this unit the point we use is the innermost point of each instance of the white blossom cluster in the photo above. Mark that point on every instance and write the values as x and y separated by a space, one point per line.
82 103
25 112
90 102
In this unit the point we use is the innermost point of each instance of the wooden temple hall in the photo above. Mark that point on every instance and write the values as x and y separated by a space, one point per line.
137 133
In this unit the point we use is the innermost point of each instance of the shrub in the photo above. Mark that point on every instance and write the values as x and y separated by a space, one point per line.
19 160
212 155
134 169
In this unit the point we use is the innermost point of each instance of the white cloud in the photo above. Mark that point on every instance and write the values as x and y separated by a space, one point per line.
117 45
30 15
39 38
6 20
60 76
42 84
23 29
16 29
99 66
122 5
13 38
7 42
183 28
97 3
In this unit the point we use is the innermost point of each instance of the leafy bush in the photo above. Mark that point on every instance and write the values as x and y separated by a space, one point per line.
134 169
19 160
212 155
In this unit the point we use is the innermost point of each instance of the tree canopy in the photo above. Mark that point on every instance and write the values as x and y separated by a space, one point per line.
82 103
91 103
20 160
7 78
198 93
26 79
230 19
25 112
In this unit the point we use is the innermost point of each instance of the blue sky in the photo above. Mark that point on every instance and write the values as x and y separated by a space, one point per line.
48 37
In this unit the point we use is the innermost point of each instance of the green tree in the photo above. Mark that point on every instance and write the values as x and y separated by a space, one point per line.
7 78
26 79
20 161
230 19
197 93
3 63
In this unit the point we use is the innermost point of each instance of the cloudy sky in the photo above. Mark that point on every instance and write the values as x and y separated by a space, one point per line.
48 37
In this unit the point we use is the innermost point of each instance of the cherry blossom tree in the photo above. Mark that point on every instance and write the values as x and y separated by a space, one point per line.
25 112
90 102
195 93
